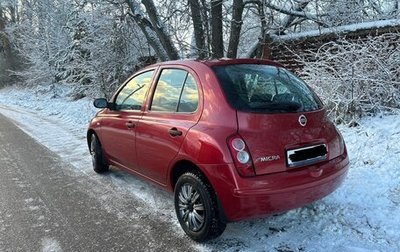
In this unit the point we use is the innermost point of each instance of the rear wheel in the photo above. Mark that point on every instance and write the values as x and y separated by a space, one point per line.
99 164
196 208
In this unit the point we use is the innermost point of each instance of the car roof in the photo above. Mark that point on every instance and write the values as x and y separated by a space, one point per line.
228 61
218 62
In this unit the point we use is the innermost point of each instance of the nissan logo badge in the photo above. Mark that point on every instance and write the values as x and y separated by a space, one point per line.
303 120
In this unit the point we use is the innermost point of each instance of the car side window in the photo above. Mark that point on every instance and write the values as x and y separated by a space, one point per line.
132 96
176 91
190 96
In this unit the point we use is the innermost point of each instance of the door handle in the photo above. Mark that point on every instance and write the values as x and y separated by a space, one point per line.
175 132
130 125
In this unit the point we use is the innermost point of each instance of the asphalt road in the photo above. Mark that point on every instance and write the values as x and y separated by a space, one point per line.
46 207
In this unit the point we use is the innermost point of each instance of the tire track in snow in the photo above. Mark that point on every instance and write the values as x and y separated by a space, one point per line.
70 144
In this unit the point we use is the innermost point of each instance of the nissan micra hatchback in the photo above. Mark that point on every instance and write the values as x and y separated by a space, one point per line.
233 139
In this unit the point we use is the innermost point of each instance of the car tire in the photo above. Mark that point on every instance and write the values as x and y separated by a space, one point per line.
99 164
196 208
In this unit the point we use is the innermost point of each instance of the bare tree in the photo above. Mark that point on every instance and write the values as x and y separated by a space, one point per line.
217 43
147 29
153 29
159 29
236 26
199 33
87 42
224 28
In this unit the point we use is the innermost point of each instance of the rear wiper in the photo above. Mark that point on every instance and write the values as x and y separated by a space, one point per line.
285 106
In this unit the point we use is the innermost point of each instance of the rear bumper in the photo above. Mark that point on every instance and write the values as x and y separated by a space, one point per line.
273 193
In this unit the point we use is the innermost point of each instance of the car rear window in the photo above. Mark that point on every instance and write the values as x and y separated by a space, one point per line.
265 89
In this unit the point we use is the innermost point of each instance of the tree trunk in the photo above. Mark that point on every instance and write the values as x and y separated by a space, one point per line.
198 29
204 12
159 29
236 26
255 50
217 43
147 29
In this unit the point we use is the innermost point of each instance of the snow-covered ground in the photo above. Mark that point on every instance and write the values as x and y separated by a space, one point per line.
362 215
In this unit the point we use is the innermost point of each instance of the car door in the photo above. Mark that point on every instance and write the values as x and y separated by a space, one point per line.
118 124
174 109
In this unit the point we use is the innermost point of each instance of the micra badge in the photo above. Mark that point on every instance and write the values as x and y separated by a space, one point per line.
270 158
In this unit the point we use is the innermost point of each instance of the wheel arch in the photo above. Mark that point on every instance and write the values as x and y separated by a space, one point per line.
89 134
181 167
184 166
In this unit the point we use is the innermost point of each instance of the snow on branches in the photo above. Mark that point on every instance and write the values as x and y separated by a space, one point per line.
356 78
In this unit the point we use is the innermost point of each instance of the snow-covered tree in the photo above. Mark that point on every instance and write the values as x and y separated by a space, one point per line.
93 45
8 59
356 78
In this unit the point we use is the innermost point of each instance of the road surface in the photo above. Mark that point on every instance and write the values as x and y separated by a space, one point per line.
46 207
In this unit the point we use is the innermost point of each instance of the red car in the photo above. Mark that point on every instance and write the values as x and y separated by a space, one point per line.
232 138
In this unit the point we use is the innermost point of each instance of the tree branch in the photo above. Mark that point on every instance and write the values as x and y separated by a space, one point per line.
295 13
147 29
159 29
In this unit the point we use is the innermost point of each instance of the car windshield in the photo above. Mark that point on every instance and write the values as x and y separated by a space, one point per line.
265 89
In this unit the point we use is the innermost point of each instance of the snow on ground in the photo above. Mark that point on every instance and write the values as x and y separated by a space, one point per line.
50 245
362 215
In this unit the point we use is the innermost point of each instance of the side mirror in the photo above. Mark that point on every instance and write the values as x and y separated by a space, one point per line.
100 103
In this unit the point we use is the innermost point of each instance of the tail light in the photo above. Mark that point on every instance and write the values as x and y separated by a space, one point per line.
341 140
241 156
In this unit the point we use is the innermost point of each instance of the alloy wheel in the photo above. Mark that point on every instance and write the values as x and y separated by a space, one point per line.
93 150
191 207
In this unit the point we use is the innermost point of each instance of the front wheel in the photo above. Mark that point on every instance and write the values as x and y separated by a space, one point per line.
99 164
196 208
